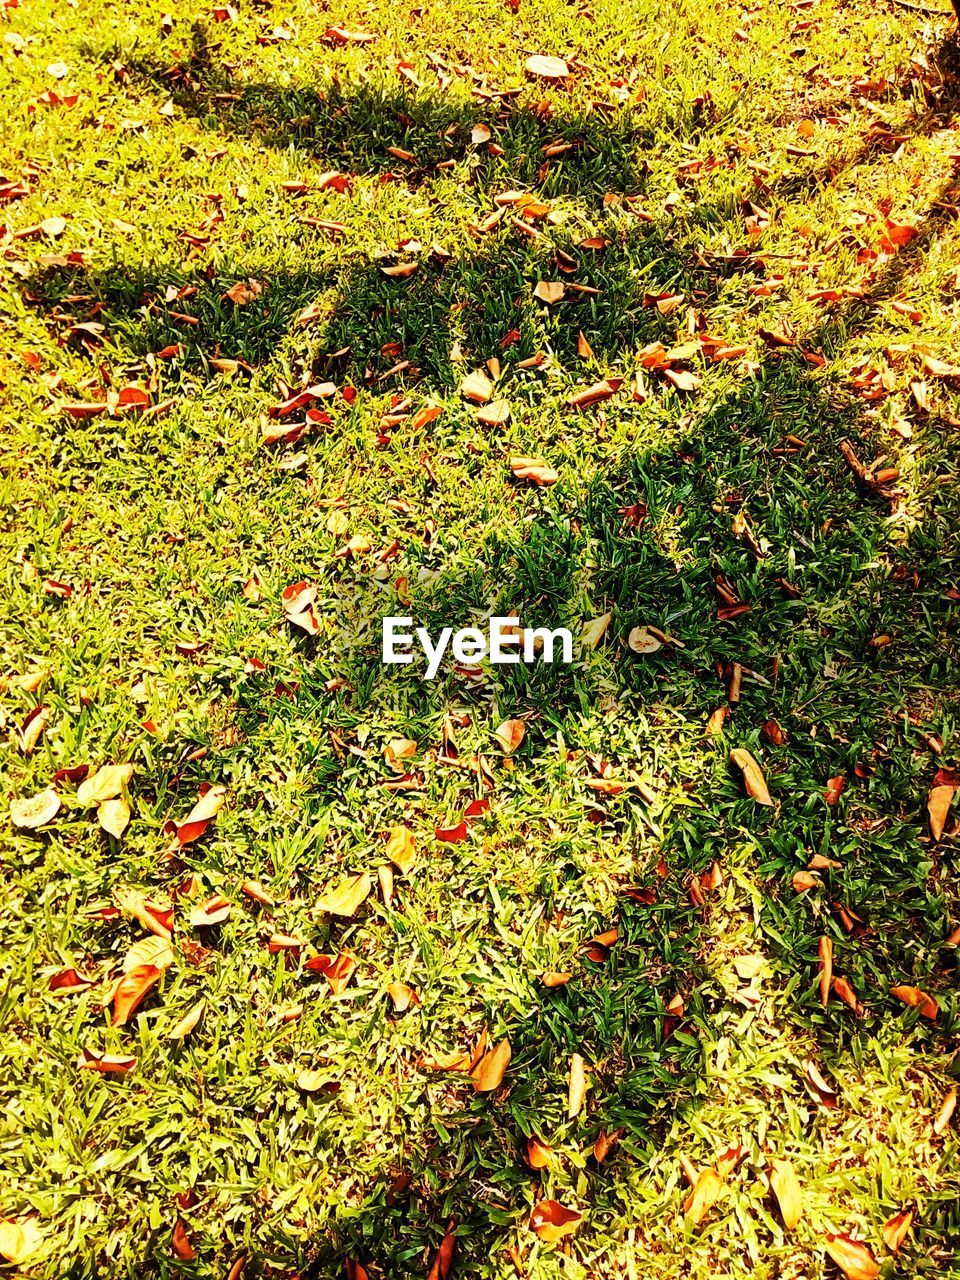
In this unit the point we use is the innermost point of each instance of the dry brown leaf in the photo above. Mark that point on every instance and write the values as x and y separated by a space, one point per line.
397 751
106 1063
642 640
894 1230
347 897
32 729
488 1073
210 802
576 1086
753 778
551 1220
945 1114
442 1266
853 1258
604 1144
531 469
213 911
401 849
477 386
494 414
786 1187
153 916
556 978
834 790
180 1242
510 734
550 291
594 631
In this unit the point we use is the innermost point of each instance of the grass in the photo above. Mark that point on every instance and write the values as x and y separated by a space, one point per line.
754 162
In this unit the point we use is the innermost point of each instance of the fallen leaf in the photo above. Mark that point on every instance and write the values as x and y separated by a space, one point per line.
348 896
442 1266
834 790
594 631
338 969
19 1240
894 1230
537 1154
853 1258
33 812
32 729
530 469
131 989
825 956
106 1063
945 1114
180 1242
510 735
211 801
918 999
547 67
494 414
402 996
785 1186
642 640
551 1220
487 1075
753 778
113 816
214 911
706 1189
105 784
188 1022
401 849
576 1086
153 951
477 386
155 918
604 1144
938 806
550 291
556 979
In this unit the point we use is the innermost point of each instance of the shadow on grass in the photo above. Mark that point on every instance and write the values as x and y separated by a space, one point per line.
652 539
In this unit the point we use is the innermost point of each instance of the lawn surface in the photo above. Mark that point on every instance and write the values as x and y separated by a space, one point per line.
746 219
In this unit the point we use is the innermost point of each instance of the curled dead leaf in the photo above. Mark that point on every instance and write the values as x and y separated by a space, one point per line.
537 1154
853 1258
938 806
894 1230
576 1086
510 734
33 812
546 66
917 999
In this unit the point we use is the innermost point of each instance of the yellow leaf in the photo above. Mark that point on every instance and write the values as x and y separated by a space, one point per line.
346 899
150 951
917 998
753 778
537 1153
494 414
595 630
113 816
477 386
783 1181
705 1191
853 1258
488 1073
18 1240
106 783
188 1022
402 996
576 1086
401 849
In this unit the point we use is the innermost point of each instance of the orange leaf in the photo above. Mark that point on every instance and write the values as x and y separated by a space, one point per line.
402 996
487 1075
895 1229
442 1266
825 954
180 1241
551 1220
918 999
938 806
510 734
131 989
537 1154
853 1258
706 1189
